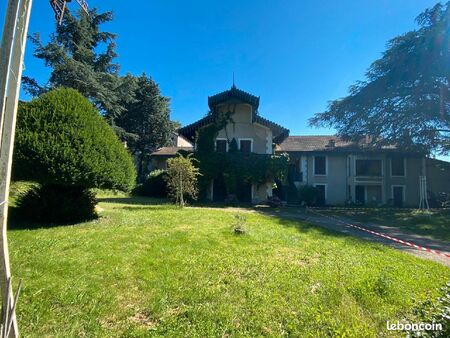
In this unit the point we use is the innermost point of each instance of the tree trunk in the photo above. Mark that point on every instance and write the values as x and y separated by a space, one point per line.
181 191
139 167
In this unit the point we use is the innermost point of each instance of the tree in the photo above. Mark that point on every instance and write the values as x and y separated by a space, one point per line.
182 178
405 99
81 56
147 119
64 144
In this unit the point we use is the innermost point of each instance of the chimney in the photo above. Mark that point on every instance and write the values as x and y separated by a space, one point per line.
331 143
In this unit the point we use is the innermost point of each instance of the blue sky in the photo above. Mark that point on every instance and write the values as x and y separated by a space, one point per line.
296 55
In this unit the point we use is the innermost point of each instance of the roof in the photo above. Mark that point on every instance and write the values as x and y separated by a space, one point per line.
189 131
436 162
326 143
170 151
279 133
233 93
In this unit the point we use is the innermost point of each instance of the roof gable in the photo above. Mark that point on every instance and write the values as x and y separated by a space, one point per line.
233 94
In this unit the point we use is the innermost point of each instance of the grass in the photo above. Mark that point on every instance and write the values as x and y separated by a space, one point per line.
434 224
146 269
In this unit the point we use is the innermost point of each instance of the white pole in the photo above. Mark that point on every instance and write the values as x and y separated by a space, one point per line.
5 52
9 114
420 193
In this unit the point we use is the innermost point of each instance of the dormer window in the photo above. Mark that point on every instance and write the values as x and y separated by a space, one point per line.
246 145
221 145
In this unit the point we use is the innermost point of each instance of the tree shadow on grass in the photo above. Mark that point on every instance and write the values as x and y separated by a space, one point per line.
134 200
302 225
17 222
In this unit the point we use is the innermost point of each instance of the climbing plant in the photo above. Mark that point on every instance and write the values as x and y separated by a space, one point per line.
236 168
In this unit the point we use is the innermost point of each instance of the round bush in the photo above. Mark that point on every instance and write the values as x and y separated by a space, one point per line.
62 139
57 204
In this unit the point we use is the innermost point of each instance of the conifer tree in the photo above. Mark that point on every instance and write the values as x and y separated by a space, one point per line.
81 56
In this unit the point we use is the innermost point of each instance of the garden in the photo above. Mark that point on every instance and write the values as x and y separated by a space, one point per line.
148 268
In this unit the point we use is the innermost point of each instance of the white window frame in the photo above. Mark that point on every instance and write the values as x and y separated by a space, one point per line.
221 139
246 139
326 189
404 168
397 186
314 166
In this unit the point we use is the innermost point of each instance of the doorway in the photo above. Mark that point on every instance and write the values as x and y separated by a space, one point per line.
321 194
360 194
397 195
219 189
244 193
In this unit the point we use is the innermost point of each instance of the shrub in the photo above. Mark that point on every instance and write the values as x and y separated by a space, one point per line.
62 139
155 185
56 203
292 193
308 194
65 145
182 178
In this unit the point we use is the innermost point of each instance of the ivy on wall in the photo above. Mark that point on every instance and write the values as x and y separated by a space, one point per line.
234 167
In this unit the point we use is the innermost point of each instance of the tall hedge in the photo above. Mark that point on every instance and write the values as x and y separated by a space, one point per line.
62 139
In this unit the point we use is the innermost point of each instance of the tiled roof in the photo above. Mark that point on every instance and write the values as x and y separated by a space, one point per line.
189 131
279 133
444 165
233 93
170 151
325 143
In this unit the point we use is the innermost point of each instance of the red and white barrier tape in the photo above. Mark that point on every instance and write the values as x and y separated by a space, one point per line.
412 245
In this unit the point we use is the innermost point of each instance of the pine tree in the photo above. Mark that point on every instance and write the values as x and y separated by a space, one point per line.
147 118
81 56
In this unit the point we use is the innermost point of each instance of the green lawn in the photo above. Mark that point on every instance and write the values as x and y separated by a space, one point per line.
435 223
147 269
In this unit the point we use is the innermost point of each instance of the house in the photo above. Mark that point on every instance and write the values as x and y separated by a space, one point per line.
348 172
343 172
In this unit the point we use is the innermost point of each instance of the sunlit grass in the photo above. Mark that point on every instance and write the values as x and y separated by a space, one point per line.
147 269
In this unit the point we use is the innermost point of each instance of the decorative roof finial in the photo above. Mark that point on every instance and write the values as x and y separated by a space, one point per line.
234 86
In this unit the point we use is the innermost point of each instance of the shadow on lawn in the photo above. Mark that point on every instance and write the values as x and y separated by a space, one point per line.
134 200
141 203
17 222
301 225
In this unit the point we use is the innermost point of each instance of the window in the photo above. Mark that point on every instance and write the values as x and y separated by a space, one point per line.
368 168
397 166
245 146
294 171
221 146
320 165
